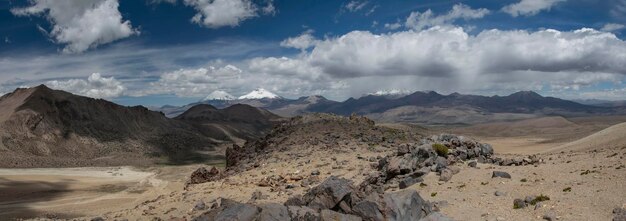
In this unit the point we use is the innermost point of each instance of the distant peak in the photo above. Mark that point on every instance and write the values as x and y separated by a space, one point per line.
259 93
219 95
526 94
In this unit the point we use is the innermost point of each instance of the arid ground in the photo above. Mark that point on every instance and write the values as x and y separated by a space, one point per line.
583 173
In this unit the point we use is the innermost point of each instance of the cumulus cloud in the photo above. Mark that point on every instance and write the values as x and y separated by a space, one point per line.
220 13
304 41
422 20
450 57
611 27
193 82
81 24
95 86
529 7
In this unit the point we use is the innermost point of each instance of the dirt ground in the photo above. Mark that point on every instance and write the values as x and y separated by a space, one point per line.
597 178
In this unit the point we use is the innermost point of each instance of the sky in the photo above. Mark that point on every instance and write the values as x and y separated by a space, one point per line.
157 52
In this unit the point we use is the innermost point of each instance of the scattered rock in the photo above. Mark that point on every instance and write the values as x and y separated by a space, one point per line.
199 205
409 181
445 175
368 210
501 174
500 193
406 205
202 175
315 173
328 194
329 215
550 216
436 216
273 212
472 164
518 204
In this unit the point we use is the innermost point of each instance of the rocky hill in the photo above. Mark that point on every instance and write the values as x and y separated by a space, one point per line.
41 127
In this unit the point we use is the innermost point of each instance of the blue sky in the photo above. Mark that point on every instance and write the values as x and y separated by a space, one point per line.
173 52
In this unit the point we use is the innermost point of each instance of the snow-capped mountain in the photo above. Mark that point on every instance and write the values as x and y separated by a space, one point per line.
219 95
393 92
259 93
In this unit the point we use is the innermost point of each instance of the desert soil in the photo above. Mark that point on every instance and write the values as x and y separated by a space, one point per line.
596 176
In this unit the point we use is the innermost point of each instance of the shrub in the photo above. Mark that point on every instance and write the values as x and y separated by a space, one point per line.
433 194
440 149
568 189
523 180
539 198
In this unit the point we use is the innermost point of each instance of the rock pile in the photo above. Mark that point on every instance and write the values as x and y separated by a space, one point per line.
334 199
202 175
437 154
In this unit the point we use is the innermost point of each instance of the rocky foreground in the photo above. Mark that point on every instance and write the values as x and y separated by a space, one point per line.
324 167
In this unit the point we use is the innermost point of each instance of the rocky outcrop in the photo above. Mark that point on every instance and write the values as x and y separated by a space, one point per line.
334 199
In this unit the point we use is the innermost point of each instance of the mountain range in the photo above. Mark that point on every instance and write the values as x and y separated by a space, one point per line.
42 127
427 107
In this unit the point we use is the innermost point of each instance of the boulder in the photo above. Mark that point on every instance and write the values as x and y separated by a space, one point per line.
436 216
500 174
409 181
405 205
329 215
519 203
303 213
202 175
446 175
368 210
273 212
328 194
486 149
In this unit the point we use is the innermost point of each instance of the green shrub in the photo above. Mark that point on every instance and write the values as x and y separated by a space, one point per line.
433 194
440 149
568 189
539 198
523 180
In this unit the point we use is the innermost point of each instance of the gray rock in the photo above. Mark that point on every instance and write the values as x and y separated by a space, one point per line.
446 175
199 205
303 213
398 166
436 216
529 199
550 216
500 193
619 214
486 149
328 194
472 164
406 205
273 212
97 219
441 163
238 211
315 172
409 181
403 149
329 215
295 201
455 170
368 210
501 174
518 204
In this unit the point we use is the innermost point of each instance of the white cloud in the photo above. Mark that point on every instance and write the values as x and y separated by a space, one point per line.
81 24
611 27
220 13
419 21
95 86
393 26
449 57
269 9
354 5
529 7
302 42
193 82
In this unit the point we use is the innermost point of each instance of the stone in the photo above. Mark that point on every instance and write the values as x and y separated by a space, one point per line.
518 204
446 175
199 205
295 200
486 149
329 215
231 210
368 210
273 212
455 170
500 193
303 213
97 219
405 205
619 214
436 216
409 181
315 172
472 164
529 199
501 174
398 166
328 194
202 175
441 163
403 149
550 216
